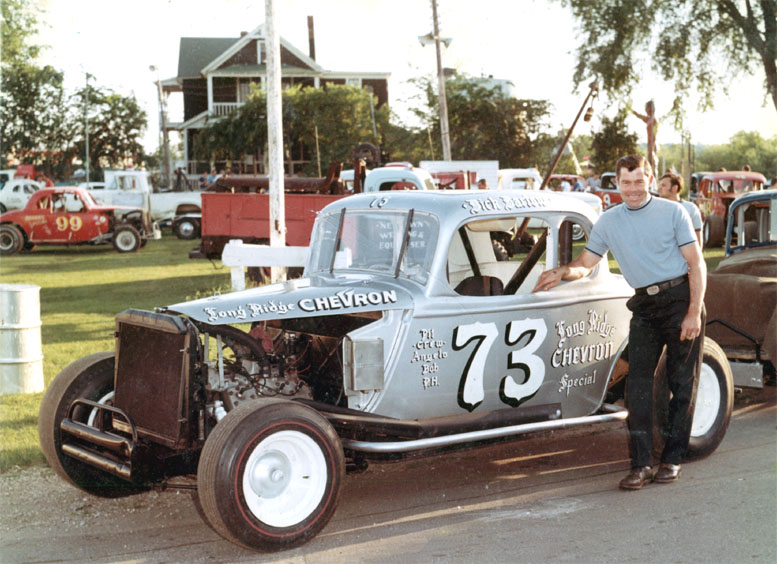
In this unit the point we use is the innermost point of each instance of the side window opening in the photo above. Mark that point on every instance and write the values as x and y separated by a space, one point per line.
572 239
477 267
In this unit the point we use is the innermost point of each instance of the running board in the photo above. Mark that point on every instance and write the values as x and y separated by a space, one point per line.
614 413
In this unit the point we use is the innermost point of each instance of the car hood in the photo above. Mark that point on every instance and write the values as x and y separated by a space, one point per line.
305 297
751 262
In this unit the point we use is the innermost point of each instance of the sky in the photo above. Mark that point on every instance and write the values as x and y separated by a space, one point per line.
529 42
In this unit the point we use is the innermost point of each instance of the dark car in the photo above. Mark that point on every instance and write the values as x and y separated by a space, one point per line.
741 298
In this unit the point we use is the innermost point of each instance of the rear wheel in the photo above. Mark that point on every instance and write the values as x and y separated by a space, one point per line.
714 231
90 377
126 239
187 228
269 475
11 239
714 403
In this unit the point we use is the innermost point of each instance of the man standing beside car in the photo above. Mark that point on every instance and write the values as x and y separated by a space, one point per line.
654 243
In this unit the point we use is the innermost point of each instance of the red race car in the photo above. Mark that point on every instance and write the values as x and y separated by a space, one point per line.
68 215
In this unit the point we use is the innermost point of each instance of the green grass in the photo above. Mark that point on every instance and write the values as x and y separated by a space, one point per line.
82 289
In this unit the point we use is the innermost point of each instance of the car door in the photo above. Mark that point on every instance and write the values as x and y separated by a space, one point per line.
494 345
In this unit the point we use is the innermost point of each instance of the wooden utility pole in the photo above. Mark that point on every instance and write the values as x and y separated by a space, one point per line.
446 137
275 137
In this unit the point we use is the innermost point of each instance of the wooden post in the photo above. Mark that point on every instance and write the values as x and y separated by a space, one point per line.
275 137
318 153
446 138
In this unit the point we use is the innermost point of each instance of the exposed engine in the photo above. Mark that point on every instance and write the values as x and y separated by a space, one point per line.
301 359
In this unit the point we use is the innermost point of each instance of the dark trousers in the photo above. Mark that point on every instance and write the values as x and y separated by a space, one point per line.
655 324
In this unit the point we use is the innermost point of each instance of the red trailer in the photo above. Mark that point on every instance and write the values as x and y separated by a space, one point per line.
246 216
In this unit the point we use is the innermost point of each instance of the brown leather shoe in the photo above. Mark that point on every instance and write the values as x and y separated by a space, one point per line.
667 473
637 478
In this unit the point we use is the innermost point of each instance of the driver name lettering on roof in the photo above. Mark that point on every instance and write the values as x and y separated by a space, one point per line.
503 203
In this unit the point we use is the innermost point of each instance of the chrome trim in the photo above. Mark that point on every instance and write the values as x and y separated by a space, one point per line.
614 413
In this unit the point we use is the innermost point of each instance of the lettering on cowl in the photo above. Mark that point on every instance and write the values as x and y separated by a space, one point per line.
427 351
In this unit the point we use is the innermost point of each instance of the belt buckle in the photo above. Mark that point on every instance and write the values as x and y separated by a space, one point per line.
652 290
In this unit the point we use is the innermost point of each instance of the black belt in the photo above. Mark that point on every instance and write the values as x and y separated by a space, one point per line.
654 289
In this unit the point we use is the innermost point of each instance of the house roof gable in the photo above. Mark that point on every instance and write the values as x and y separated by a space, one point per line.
256 34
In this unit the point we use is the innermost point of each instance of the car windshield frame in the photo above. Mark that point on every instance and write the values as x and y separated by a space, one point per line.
397 243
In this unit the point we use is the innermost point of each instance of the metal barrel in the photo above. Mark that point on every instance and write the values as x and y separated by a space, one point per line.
21 356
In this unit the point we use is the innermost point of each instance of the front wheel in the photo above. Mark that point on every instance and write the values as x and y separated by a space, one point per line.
11 239
269 474
90 377
126 239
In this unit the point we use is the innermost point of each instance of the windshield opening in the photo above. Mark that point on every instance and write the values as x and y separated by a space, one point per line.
399 243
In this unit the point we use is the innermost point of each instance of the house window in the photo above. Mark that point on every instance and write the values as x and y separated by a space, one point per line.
357 82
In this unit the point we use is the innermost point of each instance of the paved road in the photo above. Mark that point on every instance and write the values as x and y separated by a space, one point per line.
548 499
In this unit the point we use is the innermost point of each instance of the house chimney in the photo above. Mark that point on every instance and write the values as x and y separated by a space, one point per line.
311 38
243 33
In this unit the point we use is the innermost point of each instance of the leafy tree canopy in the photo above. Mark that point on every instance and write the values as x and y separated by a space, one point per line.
339 115
485 124
612 142
684 40
116 125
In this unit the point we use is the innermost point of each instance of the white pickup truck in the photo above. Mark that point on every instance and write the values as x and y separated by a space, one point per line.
135 188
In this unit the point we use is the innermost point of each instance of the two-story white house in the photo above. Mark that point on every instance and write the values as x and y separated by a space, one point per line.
215 77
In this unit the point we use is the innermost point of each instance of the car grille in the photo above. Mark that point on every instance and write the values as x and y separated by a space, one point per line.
152 384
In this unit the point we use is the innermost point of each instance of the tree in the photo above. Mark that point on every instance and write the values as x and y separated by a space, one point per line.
685 40
32 100
612 142
340 114
116 125
484 122
745 147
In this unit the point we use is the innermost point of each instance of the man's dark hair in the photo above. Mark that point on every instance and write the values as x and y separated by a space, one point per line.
632 162
674 179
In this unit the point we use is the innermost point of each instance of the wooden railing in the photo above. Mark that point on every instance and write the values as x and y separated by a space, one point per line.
225 108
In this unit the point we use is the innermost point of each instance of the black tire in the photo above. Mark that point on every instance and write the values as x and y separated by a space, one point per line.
253 447
714 403
90 377
187 228
126 239
714 231
11 239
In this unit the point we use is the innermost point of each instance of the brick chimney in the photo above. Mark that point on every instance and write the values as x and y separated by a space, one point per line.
311 39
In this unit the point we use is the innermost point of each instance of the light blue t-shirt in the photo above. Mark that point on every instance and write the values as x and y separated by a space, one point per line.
645 241
693 211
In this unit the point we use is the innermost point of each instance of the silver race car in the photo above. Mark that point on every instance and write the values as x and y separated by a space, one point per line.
404 335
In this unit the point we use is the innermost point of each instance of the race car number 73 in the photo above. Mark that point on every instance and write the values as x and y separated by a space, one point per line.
530 333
